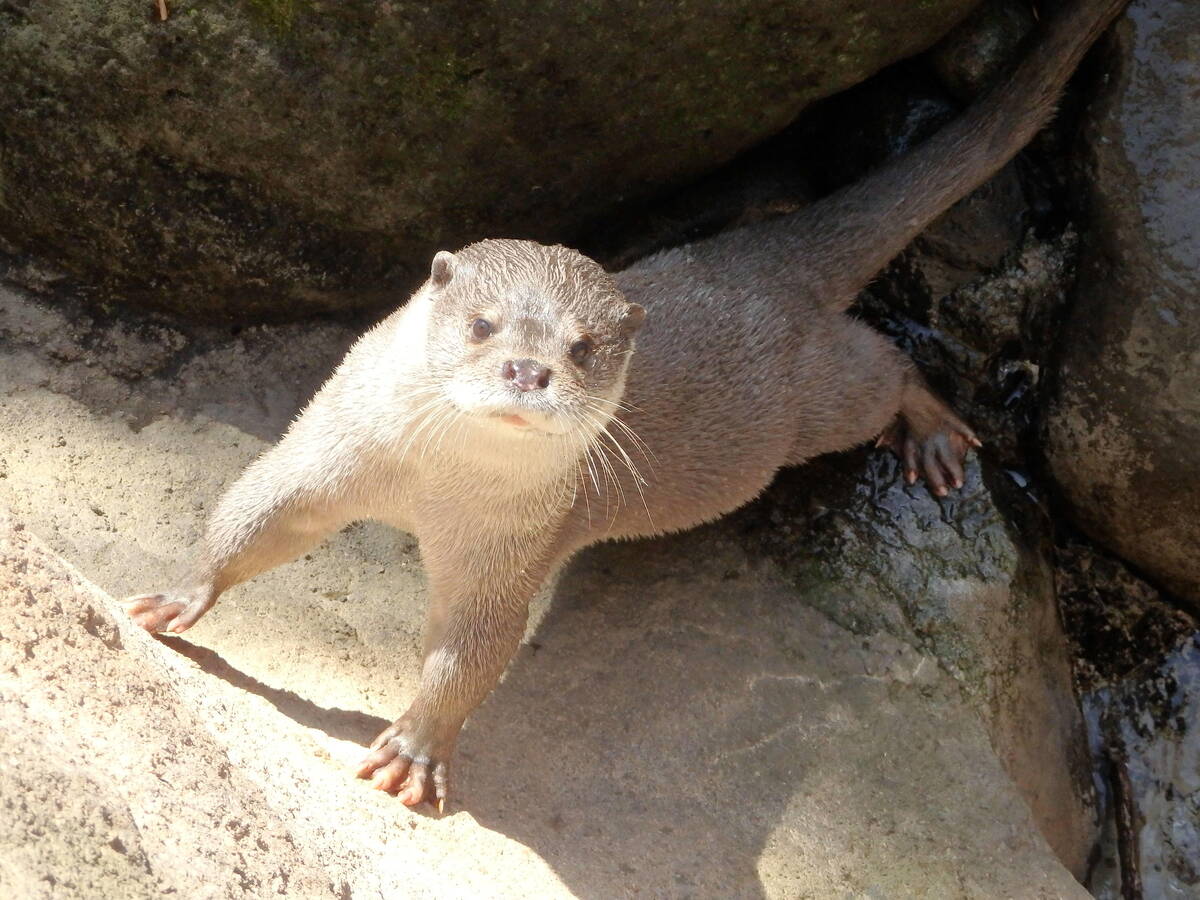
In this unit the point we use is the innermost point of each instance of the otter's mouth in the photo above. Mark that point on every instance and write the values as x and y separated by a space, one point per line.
516 420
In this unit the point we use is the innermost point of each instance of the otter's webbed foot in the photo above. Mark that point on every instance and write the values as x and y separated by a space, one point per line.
411 761
933 448
173 611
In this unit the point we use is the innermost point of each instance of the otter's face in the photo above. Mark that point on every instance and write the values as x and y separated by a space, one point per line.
529 339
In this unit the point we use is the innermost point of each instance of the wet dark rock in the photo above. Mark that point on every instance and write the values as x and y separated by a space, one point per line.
1123 421
983 344
978 49
1137 671
1116 622
274 158
1144 726
973 236
842 138
967 579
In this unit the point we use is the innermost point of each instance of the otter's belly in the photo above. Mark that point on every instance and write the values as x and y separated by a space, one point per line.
687 477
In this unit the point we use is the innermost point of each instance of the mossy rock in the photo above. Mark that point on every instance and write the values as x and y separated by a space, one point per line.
282 158
966 579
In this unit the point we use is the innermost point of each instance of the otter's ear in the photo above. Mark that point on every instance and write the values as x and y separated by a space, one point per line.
442 270
632 320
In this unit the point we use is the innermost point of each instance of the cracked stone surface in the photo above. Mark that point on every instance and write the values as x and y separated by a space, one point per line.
679 721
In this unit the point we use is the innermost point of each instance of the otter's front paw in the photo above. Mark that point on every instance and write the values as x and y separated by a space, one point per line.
936 452
410 761
174 611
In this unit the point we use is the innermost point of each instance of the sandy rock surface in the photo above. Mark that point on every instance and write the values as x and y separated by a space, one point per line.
679 722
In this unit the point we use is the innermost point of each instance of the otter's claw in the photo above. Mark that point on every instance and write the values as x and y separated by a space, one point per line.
396 766
174 611
937 455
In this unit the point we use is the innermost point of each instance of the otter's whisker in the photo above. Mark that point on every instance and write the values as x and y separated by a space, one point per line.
456 420
619 404
612 484
587 458
612 418
641 446
638 479
422 419
610 474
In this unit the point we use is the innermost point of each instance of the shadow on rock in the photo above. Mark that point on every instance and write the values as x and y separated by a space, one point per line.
614 747
682 724
342 724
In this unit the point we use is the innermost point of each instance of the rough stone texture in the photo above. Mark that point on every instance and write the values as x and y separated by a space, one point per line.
967 580
111 783
985 342
1118 624
682 721
969 57
1146 726
277 158
1137 667
1123 425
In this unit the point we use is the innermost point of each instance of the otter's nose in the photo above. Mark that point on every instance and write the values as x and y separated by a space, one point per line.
526 374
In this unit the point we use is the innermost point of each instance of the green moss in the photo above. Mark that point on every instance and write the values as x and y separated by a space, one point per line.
308 153
279 14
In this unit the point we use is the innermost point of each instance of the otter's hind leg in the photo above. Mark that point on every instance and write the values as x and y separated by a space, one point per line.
861 388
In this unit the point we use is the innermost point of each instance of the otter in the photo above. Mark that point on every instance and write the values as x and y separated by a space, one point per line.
524 404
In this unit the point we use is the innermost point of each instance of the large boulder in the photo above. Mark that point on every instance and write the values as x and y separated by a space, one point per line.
279 158
1123 424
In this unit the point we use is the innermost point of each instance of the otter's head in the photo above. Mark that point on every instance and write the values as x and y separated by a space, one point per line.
529 339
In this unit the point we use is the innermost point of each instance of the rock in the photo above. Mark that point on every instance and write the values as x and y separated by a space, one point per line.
843 137
1145 727
112 784
1137 671
681 720
977 50
967 580
1118 625
1123 422
983 344
841 764
765 182
274 158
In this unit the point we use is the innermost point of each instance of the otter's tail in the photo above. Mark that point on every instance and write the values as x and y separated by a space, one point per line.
849 236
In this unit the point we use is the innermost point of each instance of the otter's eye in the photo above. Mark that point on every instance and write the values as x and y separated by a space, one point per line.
481 329
581 350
